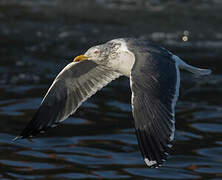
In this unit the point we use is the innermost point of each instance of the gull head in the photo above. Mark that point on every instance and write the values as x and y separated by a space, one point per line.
100 54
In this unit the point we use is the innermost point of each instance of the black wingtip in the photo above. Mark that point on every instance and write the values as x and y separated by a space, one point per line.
154 151
37 124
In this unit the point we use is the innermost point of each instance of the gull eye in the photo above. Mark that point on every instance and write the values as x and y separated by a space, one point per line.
96 52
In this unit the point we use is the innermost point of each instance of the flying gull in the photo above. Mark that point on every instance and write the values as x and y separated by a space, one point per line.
154 81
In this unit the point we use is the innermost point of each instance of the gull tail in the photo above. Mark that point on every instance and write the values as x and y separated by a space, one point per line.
192 69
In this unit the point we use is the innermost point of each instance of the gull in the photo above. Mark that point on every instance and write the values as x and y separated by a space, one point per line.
154 81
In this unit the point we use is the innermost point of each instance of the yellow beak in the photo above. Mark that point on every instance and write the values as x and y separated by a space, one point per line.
80 58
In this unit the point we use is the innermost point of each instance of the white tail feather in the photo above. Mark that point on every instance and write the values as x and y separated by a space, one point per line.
195 70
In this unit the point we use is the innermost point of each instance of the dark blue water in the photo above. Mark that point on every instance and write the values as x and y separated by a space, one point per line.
99 141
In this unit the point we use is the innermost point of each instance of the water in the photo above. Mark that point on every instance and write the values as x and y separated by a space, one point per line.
98 141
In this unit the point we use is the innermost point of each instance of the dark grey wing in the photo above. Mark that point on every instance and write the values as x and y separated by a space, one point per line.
74 84
155 83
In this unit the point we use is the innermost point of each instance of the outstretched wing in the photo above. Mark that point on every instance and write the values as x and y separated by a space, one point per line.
155 83
73 85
